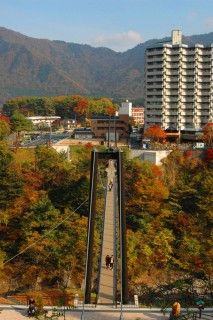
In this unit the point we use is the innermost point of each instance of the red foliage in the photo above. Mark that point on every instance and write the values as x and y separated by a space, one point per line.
188 153
110 110
88 146
4 118
82 106
157 171
198 262
182 220
208 133
209 154
155 132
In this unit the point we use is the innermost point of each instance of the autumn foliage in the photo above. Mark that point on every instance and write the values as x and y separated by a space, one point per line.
63 106
208 134
155 133
4 118
168 209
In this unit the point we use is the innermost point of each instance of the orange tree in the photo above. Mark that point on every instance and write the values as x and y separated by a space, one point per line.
4 128
155 133
208 133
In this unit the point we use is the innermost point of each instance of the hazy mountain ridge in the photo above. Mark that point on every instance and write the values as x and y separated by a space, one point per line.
30 66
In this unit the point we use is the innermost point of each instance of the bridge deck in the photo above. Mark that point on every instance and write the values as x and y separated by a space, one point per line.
106 285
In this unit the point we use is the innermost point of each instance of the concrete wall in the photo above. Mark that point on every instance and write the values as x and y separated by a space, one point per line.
153 156
61 148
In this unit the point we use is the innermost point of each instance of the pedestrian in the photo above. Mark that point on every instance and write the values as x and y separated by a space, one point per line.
175 311
110 185
107 261
31 309
111 262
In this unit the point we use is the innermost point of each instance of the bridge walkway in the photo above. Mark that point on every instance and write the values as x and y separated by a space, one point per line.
106 294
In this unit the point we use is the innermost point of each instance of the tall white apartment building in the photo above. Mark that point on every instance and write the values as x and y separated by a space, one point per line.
179 85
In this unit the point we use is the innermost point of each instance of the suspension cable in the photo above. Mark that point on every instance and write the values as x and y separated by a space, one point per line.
88 235
45 234
121 238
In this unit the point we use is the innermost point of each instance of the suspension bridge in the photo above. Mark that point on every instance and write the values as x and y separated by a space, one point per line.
113 242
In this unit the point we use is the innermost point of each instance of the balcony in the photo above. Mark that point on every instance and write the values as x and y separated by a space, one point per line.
187 72
153 100
171 113
187 113
203 73
154 72
202 113
171 86
172 72
187 86
186 65
187 100
153 119
186 59
154 52
203 94
203 66
170 99
187 79
172 65
171 59
153 113
154 86
201 86
203 81
200 100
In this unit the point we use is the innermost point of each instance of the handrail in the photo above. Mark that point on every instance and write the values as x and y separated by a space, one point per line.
100 263
88 237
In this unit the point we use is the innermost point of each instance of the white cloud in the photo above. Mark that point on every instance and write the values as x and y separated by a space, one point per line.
119 41
209 22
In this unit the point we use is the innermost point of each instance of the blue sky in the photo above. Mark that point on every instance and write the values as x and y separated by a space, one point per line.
116 24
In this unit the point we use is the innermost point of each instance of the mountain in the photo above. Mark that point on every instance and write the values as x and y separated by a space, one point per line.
30 66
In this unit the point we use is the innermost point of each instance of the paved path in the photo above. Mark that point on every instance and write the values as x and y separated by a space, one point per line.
106 286
10 312
7 314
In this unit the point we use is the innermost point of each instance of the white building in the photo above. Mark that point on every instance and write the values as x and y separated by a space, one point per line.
48 120
179 85
126 108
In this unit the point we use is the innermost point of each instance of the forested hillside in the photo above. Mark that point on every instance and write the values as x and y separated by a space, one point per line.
66 107
30 66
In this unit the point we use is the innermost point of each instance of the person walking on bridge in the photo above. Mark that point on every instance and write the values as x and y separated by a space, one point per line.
107 260
111 262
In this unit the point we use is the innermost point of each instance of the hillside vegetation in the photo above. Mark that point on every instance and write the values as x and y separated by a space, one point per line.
169 216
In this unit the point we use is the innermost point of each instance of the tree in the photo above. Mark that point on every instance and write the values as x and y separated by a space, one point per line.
4 129
82 105
18 124
10 178
155 132
208 134
4 118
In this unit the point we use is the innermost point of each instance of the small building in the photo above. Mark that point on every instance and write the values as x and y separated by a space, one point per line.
126 108
83 133
116 127
138 115
48 120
